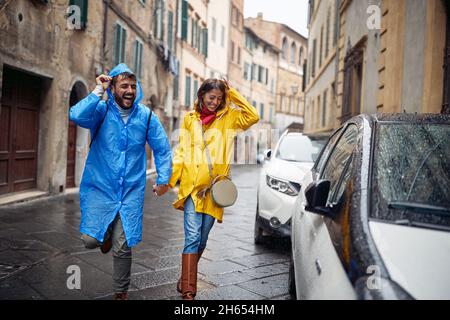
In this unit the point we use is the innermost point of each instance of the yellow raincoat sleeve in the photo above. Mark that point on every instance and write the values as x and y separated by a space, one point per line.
246 116
178 159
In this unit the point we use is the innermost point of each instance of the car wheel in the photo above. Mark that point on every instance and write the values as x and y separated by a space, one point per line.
258 231
291 280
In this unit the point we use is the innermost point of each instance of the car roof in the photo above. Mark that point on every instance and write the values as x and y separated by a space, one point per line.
309 135
404 117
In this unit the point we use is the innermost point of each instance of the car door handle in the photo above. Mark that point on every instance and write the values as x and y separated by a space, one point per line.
318 267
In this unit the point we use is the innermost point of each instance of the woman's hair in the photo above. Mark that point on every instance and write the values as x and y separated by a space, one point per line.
208 85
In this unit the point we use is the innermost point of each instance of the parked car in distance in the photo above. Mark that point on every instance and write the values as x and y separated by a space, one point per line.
373 218
279 182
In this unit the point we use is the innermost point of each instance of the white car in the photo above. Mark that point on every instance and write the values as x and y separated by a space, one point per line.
279 182
373 218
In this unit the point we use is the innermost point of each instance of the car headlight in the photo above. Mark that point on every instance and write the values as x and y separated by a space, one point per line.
283 186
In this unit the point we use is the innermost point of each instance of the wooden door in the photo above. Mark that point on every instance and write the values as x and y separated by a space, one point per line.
71 145
19 129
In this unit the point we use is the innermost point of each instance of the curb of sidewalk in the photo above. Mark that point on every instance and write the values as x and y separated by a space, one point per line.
36 195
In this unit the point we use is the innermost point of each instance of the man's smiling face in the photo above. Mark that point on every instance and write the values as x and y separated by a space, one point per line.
124 90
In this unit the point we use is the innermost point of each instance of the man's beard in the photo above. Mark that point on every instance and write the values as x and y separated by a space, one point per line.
121 101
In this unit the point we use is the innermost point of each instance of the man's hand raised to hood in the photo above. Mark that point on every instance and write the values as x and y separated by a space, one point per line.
103 80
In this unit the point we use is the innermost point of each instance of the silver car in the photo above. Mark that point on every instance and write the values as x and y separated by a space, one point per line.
373 221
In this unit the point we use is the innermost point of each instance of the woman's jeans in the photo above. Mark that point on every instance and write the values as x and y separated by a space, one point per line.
196 228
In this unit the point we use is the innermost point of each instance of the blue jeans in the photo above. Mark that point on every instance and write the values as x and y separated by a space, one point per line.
196 228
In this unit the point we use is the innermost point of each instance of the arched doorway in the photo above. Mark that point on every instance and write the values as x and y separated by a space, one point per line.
77 93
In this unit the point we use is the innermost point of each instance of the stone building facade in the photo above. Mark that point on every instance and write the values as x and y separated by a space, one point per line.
391 56
47 65
289 87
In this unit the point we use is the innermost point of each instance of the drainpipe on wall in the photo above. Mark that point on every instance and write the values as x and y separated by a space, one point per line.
105 23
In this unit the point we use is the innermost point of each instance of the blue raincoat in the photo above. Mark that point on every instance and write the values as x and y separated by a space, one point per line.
114 177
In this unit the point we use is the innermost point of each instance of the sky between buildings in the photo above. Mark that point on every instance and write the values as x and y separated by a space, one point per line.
293 13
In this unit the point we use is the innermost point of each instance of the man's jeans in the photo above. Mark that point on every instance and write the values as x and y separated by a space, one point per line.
196 228
120 251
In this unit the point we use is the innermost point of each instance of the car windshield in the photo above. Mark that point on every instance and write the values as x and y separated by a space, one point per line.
412 170
300 148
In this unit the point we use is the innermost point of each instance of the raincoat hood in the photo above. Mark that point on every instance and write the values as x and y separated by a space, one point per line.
119 69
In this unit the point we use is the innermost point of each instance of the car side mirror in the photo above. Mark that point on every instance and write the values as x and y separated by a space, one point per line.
316 197
260 158
267 154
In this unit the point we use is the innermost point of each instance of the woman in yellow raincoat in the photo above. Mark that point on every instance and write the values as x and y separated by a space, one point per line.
220 122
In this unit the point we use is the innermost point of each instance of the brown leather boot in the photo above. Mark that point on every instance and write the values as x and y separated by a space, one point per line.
189 275
120 296
179 280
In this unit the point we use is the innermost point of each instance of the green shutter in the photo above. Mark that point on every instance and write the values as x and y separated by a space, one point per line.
175 88
116 45
195 89
136 54
192 32
170 30
141 53
83 5
162 19
123 45
187 98
155 16
138 48
184 20
205 42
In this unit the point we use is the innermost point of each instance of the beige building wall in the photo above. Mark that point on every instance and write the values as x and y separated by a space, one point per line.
263 86
218 33
401 62
289 101
411 56
240 77
235 67
35 38
192 60
354 34
320 99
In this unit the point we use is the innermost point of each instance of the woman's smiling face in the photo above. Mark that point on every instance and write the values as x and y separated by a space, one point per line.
212 99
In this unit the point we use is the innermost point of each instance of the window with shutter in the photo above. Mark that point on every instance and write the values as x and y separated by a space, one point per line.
184 20
83 5
205 42
138 51
119 44
187 98
170 30
195 89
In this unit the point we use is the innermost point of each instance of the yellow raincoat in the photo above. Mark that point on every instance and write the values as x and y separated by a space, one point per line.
190 164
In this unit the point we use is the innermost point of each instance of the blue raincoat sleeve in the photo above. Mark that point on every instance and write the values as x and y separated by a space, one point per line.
157 139
87 112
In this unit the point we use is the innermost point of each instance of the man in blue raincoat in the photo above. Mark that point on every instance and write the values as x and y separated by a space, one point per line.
114 179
